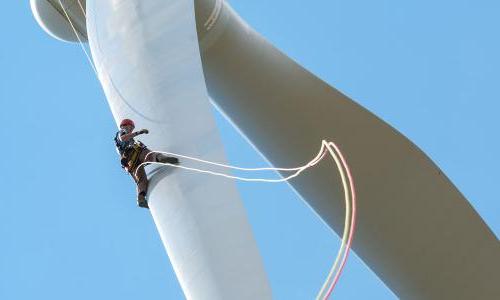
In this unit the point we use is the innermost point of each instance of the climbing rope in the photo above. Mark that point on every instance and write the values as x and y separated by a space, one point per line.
327 147
347 183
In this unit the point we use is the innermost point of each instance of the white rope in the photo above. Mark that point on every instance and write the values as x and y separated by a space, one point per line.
326 146
81 7
297 170
334 269
320 156
78 36
351 226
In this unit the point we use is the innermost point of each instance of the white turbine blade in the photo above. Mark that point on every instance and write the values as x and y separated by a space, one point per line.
147 56
416 230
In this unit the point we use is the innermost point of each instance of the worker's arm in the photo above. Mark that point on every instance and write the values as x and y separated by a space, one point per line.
128 136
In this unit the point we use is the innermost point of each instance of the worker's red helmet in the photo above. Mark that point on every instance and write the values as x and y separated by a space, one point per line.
127 122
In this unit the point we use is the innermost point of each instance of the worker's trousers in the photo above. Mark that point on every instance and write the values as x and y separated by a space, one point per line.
139 174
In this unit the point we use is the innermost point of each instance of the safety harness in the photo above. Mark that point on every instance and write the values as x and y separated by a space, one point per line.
129 152
133 156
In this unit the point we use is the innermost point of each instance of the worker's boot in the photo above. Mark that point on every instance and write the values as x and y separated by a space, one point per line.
167 159
141 200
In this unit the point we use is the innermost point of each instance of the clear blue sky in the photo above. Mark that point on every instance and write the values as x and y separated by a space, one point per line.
69 228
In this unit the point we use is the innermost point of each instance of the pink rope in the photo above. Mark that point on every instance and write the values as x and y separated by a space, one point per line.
353 221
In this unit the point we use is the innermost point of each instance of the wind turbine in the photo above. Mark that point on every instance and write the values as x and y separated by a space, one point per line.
163 62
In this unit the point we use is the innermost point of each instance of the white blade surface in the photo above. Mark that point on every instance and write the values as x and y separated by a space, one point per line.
149 64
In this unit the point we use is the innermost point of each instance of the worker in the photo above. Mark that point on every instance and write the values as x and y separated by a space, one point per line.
133 154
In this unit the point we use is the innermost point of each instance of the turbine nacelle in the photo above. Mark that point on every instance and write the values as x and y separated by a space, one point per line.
58 20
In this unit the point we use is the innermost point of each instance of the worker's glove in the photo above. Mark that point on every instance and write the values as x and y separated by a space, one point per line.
145 131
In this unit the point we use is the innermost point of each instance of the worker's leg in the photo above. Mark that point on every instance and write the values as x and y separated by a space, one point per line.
140 176
147 156
142 187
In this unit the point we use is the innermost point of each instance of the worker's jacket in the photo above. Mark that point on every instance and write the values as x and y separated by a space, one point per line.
129 150
123 146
